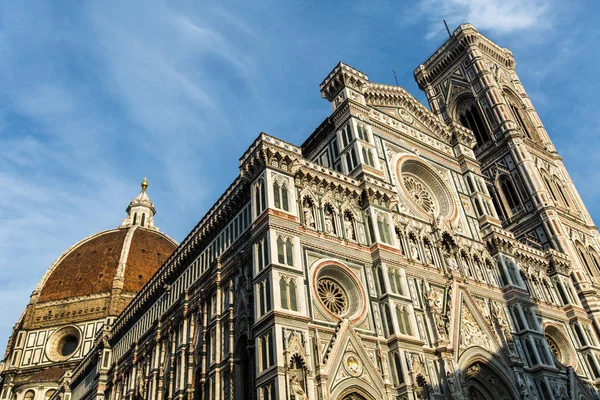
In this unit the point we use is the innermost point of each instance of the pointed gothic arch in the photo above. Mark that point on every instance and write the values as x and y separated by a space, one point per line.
468 113
486 376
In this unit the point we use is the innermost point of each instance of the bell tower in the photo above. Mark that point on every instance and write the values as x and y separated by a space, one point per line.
472 81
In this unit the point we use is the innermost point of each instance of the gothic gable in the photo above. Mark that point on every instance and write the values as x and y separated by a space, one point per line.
349 362
470 326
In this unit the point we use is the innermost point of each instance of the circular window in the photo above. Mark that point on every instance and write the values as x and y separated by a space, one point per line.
63 343
424 189
338 291
560 347
554 347
332 296
68 345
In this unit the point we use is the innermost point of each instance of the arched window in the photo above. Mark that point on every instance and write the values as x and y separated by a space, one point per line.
559 186
399 375
532 358
285 251
134 218
584 260
470 117
502 215
380 279
510 194
518 319
49 393
593 366
280 196
549 187
579 334
403 320
362 132
283 291
529 317
389 325
293 294
400 320
259 197
384 228
143 219
29 395
519 119
287 291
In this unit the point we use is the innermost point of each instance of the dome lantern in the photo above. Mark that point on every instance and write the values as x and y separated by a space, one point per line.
141 210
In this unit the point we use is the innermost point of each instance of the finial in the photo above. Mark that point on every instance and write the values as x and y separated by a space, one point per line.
144 183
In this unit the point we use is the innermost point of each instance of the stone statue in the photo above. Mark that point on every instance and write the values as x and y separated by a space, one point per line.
296 390
434 299
428 255
414 252
329 227
450 261
349 228
309 217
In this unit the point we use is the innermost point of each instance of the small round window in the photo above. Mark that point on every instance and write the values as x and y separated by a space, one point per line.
68 345
63 343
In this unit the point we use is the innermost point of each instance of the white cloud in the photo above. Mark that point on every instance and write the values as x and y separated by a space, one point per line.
498 16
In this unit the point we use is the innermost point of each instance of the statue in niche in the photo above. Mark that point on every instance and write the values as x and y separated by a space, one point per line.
436 303
349 227
450 261
414 252
309 215
329 222
428 254
296 390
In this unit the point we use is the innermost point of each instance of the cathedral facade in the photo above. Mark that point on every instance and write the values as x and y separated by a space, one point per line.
401 252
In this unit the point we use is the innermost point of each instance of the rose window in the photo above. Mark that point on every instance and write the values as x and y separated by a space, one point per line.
420 194
424 189
553 346
332 295
338 292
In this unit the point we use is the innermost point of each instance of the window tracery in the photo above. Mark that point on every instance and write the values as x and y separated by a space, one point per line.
470 117
419 193
288 293
383 228
281 196
285 251
332 295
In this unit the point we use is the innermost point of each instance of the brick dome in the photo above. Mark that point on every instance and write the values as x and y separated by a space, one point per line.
127 257
98 276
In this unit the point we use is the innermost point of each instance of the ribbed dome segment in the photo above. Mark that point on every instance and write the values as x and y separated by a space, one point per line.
91 266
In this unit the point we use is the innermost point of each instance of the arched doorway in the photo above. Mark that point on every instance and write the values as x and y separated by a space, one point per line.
242 369
483 383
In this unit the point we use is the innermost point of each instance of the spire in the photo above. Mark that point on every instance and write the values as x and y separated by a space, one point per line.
141 210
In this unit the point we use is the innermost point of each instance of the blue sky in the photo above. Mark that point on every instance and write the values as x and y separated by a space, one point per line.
96 95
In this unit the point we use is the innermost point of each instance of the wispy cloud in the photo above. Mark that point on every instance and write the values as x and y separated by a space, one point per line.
498 16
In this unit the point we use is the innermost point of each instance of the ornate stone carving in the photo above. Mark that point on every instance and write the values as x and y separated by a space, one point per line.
470 332
420 194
